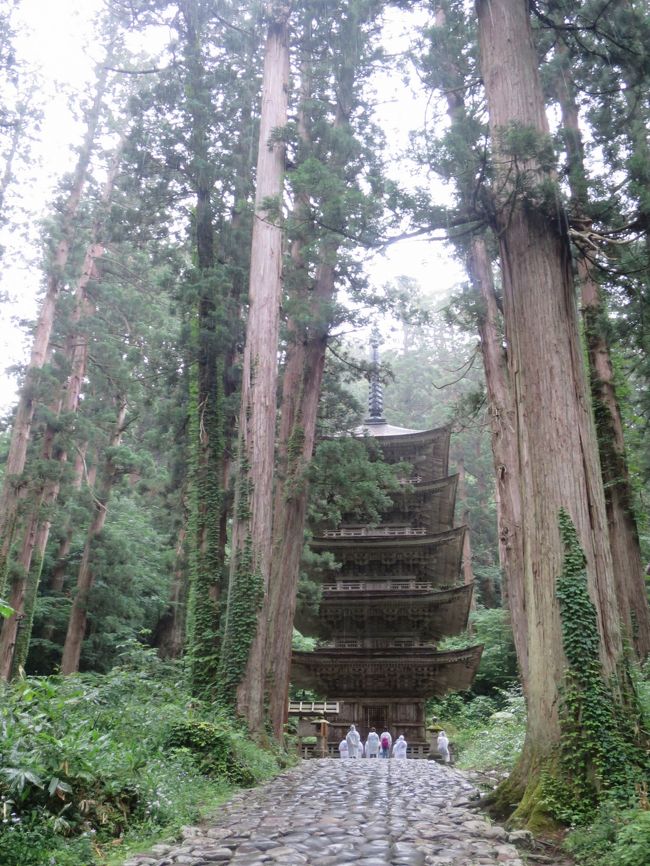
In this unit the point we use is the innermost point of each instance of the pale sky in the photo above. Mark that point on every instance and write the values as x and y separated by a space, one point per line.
58 44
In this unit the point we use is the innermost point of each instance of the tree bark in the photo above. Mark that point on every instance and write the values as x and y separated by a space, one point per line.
557 449
619 498
503 420
468 571
169 637
85 578
503 424
252 541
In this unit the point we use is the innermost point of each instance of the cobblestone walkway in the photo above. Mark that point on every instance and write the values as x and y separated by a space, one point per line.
334 813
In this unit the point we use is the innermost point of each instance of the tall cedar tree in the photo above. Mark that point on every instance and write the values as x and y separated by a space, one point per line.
452 72
619 496
326 176
242 662
54 454
15 487
557 449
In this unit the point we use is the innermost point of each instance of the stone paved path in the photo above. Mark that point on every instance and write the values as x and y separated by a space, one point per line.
334 813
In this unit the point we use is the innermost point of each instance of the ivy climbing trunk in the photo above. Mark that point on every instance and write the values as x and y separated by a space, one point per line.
206 409
557 449
242 663
619 498
85 577
13 483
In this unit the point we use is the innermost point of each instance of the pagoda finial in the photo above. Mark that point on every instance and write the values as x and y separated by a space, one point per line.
375 390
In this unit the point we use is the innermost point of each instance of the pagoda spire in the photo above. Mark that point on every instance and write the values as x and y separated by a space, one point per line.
375 389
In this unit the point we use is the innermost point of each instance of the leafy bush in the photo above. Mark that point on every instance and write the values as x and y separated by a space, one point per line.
618 837
37 844
486 733
129 752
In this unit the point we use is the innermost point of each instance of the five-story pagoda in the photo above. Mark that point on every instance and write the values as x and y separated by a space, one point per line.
396 594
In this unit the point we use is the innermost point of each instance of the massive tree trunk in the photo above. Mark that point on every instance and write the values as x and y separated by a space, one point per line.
13 489
468 571
303 377
206 404
503 420
503 424
557 449
619 498
85 578
242 666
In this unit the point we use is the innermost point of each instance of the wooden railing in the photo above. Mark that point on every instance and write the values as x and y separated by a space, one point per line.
373 532
377 585
312 708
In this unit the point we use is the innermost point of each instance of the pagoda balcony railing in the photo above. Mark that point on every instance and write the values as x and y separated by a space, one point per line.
375 643
373 532
376 585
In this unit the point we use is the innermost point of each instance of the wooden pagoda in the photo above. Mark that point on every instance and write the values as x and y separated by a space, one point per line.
396 594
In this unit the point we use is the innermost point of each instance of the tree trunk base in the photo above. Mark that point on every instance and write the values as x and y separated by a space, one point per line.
519 801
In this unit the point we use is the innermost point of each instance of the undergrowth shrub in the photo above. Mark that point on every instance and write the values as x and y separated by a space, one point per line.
486 733
100 757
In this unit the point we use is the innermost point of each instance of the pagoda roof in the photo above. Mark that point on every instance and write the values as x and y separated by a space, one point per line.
434 556
427 615
418 672
382 428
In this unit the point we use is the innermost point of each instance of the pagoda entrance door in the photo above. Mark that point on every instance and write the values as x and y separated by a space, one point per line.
375 716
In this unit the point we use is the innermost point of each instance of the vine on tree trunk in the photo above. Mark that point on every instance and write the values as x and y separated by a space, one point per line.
244 601
601 750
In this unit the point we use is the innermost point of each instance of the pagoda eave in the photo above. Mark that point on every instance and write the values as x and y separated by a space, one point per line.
383 542
428 614
391 673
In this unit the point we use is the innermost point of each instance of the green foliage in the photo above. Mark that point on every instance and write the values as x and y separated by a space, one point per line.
618 837
348 478
220 751
498 667
601 749
35 842
486 733
98 757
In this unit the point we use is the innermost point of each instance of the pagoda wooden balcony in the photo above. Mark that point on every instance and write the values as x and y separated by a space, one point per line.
398 585
435 558
416 673
373 532
427 615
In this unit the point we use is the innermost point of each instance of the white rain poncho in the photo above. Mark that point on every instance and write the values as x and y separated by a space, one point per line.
399 749
354 741
343 749
443 746
372 745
